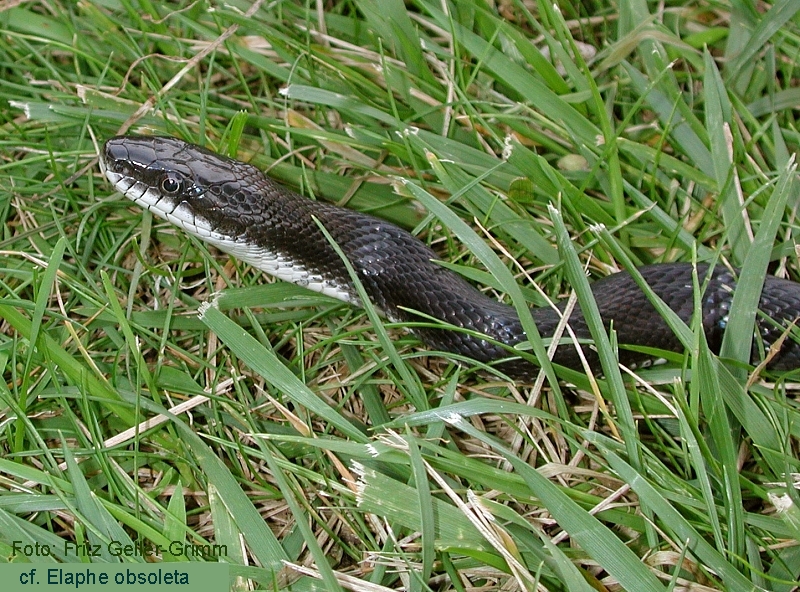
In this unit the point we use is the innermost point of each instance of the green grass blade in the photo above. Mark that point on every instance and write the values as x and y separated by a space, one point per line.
732 579
266 363
768 25
739 332
493 263
328 577
584 528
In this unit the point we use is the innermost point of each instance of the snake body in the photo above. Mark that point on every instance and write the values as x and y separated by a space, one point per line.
235 207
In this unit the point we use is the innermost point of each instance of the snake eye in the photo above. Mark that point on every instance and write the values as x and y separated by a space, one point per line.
171 183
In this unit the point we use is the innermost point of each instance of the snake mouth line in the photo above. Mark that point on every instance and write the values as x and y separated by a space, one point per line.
171 210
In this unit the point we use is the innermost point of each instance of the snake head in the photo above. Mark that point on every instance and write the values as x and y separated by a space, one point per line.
185 184
228 204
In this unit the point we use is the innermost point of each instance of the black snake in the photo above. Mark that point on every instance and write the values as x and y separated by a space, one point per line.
235 207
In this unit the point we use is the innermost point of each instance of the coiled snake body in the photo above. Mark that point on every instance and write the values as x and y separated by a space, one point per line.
235 207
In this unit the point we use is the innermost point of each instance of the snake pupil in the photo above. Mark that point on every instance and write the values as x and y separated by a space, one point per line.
170 184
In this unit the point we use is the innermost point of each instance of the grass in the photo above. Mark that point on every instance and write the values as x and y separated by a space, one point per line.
326 452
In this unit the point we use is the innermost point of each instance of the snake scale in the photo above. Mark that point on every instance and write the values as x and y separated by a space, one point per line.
236 208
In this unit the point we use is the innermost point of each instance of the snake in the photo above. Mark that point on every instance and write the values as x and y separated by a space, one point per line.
238 209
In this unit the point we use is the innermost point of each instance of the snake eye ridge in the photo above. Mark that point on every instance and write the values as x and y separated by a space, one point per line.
171 184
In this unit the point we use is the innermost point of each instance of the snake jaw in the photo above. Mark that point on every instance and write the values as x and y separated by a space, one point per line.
176 212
